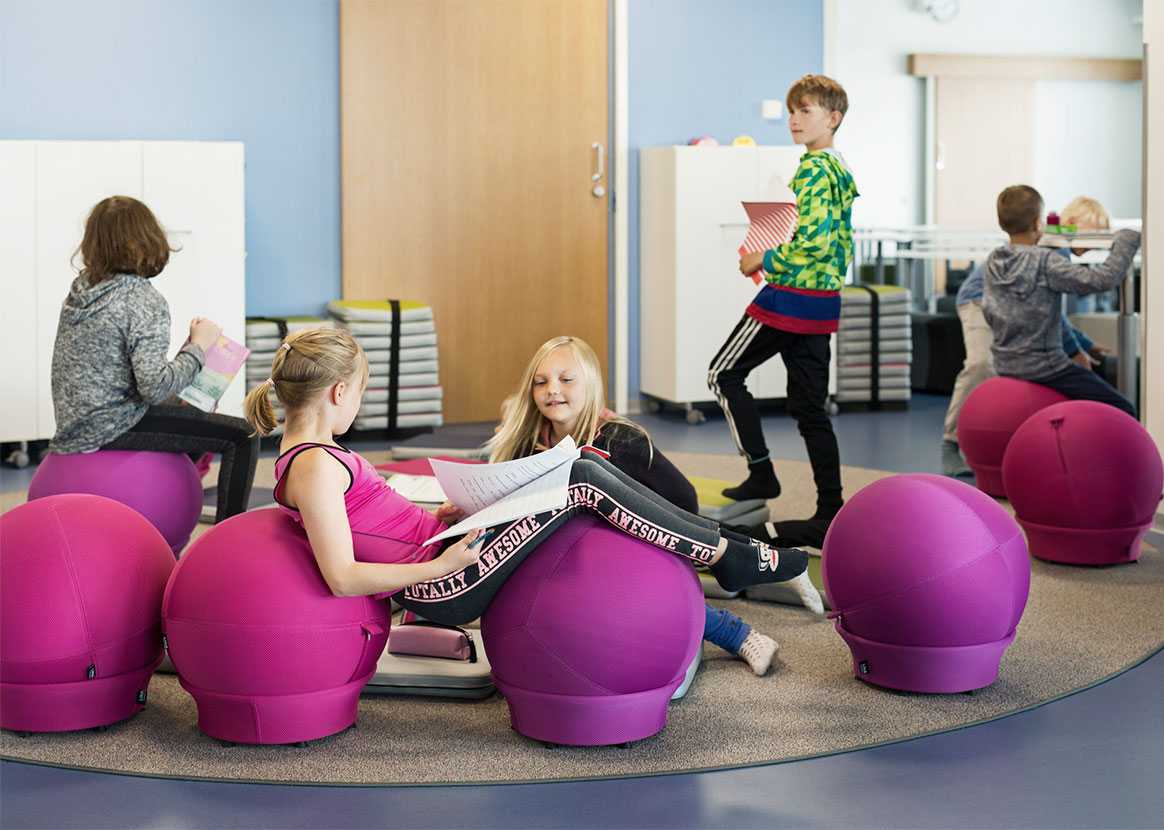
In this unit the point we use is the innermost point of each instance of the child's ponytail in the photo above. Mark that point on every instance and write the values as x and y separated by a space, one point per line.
259 412
305 365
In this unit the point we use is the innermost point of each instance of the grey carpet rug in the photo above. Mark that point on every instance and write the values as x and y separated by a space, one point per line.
1080 626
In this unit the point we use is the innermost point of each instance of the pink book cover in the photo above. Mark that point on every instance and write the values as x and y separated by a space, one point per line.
771 224
223 360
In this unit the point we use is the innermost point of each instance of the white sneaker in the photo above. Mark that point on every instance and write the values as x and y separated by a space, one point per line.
809 595
758 650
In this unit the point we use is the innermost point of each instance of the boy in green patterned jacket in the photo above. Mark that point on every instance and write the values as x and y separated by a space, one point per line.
795 314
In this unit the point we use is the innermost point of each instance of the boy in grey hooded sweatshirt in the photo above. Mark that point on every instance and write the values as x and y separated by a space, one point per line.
1022 302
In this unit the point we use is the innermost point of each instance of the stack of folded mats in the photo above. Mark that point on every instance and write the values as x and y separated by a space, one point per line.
264 336
401 335
874 345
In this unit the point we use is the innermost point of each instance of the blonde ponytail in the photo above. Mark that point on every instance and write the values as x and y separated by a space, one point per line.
258 410
308 362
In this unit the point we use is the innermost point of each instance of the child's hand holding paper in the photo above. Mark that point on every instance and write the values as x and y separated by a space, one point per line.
771 225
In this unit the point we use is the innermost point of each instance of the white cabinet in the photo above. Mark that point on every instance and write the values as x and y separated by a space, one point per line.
196 191
691 225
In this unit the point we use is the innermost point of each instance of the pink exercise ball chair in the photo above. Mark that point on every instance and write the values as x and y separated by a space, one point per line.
81 581
1085 481
268 653
592 634
928 578
162 486
994 410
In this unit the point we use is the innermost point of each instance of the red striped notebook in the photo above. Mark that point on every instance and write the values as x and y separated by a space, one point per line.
771 225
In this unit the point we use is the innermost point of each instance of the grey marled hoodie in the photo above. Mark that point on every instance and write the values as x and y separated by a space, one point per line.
109 361
1023 302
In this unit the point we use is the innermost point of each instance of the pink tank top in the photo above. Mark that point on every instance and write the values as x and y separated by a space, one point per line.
386 527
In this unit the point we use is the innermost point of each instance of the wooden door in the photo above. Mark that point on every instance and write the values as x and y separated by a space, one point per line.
467 133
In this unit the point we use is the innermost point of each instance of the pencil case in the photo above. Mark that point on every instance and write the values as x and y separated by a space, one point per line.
424 638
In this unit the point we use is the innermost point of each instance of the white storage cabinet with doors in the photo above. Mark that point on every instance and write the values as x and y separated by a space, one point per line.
194 188
691 224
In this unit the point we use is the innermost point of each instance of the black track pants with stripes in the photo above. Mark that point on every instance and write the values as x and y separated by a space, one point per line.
806 357
597 487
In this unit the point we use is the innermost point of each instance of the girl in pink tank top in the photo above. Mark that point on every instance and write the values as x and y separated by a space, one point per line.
367 539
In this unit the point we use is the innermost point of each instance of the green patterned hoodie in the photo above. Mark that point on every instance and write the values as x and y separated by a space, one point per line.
805 275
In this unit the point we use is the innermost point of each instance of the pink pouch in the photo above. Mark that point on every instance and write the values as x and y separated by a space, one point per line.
429 639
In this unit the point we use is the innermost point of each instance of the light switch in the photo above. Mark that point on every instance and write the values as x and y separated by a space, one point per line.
772 110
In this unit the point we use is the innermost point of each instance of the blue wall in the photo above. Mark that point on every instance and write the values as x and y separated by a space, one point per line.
264 72
700 68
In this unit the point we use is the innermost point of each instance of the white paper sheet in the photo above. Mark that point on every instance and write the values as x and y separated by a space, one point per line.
506 491
424 489
473 487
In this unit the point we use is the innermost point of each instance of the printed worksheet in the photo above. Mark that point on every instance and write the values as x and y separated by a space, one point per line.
473 487
547 492
497 493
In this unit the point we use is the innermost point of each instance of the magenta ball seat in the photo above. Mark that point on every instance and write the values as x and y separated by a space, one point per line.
268 653
592 634
928 578
162 486
991 414
81 581
1085 481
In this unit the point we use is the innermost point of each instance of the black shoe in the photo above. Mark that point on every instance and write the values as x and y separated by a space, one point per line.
758 564
802 532
761 483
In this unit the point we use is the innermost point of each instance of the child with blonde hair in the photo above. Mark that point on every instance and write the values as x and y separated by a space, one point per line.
1088 214
368 539
112 384
565 397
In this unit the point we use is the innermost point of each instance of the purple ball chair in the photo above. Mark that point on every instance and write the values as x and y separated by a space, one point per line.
928 578
268 653
994 410
1085 481
81 581
162 486
589 638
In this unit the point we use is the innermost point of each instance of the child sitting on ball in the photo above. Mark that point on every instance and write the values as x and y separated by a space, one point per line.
1022 303
368 539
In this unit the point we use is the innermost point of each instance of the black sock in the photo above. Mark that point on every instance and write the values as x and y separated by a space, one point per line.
761 483
743 565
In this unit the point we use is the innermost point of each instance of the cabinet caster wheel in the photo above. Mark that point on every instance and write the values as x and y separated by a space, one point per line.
653 406
18 459
833 408
694 416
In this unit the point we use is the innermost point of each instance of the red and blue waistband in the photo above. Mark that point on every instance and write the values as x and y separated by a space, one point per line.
799 310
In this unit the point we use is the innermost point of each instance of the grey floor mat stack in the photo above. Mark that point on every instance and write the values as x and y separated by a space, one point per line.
874 345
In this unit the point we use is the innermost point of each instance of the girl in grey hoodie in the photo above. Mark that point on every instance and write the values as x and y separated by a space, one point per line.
111 380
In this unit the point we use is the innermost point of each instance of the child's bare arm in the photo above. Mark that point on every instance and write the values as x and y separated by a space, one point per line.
1068 278
315 487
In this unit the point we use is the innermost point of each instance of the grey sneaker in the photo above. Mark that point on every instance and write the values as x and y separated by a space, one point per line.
952 462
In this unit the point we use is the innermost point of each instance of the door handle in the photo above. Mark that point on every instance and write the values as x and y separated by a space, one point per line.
598 191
